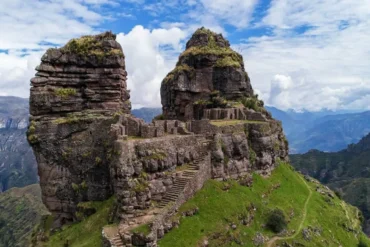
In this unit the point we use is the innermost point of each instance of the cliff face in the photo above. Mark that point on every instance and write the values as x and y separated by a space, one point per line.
76 93
207 65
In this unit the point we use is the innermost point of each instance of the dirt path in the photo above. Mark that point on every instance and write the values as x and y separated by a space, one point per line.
274 239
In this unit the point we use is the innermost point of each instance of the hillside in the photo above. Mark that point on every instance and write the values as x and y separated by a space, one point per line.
230 214
18 166
347 171
20 211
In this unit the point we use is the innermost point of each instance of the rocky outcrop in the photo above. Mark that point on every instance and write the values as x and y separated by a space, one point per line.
207 66
89 147
78 92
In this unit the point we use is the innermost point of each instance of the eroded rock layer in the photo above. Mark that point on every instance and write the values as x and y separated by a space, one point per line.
76 93
207 65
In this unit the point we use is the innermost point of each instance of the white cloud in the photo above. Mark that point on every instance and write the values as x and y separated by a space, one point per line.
28 29
321 47
150 55
26 26
235 12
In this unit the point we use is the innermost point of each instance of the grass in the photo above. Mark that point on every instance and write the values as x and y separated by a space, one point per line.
220 208
220 123
180 68
87 233
65 93
91 46
228 61
142 229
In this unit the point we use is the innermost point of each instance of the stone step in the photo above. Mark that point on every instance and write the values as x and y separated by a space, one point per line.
178 186
174 191
189 172
172 198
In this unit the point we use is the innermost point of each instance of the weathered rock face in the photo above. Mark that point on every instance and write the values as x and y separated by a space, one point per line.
75 96
208 65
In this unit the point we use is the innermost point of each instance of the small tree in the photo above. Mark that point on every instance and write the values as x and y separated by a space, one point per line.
276 221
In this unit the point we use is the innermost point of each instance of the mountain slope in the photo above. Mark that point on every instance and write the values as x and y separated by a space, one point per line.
230 213
347 171
326 131
233 215
17 163
20 211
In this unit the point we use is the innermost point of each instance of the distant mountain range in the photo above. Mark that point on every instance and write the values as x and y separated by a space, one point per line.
347 171
325 131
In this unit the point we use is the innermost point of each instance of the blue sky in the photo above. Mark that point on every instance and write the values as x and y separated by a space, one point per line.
300 54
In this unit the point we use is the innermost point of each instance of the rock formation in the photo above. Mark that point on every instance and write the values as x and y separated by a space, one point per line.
206 66
89 147
74 96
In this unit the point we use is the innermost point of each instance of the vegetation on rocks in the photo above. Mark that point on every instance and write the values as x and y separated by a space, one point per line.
142 229
90 45
184 68
228 62
253 103
65 93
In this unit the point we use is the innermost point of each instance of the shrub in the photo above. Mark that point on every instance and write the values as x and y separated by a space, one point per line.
159 117
362 243
276 221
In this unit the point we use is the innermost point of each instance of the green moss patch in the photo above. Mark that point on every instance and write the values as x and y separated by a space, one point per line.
142 229
228 62
91 46
183 68
65 93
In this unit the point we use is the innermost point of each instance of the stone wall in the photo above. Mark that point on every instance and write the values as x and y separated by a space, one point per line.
233 113
145 169
164 221
247 147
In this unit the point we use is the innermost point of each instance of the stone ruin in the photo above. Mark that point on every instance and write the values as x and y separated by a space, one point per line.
89 147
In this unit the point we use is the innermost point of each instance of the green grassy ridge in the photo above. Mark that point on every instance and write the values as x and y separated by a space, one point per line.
347 171
86 233
218 209
20 210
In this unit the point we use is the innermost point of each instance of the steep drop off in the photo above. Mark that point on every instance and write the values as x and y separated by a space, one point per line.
18 166
20 211
347 172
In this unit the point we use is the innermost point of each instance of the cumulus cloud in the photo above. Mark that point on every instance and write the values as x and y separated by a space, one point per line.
28 29
150 55
319 48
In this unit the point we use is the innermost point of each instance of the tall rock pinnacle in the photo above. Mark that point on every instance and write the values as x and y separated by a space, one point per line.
208 65
76 93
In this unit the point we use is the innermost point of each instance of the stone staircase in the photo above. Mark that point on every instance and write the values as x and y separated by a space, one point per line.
117 241
173 193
